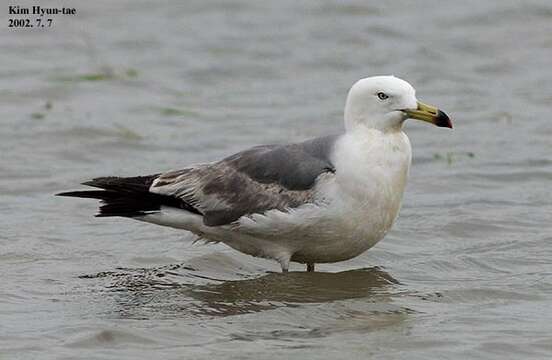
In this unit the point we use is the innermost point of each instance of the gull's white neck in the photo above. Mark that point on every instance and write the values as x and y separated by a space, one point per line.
372 165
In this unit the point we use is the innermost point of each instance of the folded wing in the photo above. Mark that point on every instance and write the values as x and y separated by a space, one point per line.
253 181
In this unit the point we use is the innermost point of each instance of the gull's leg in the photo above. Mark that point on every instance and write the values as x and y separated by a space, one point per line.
284 263
310 267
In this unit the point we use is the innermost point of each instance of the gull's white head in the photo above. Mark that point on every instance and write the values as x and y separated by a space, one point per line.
385 102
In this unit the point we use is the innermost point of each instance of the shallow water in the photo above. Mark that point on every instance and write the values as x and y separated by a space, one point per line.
137 87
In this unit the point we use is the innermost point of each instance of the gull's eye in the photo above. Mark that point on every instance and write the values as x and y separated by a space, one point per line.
382 96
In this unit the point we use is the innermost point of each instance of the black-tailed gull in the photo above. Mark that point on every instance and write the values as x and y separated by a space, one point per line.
323 200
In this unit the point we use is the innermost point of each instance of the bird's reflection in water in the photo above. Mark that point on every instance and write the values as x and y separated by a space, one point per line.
276 289
298 287
180 291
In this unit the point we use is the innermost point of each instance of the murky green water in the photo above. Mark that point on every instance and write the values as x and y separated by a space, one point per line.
137 87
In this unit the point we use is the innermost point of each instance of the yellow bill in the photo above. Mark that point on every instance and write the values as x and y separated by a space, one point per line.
430 114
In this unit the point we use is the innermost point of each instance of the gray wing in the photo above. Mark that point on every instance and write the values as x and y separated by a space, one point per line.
252 181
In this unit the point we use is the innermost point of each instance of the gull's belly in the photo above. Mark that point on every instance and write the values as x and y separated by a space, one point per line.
348 230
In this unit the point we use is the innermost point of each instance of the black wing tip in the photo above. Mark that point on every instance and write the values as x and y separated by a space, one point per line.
128 197
98 182
72 193
90 194
124 184
101 182
89 182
